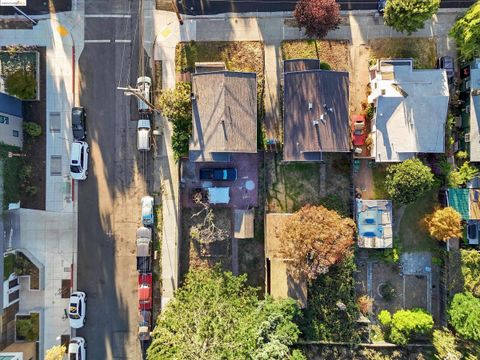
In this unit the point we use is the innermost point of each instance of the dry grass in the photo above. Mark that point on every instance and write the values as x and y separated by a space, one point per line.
333 52
237 55
422 50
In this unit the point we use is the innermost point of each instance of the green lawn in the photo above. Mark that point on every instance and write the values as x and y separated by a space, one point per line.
413 235
11 172
378 174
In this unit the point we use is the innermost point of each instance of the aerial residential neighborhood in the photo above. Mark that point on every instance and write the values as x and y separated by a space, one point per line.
199 179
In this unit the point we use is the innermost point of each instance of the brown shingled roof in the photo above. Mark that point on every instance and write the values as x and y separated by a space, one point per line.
224 114
309 95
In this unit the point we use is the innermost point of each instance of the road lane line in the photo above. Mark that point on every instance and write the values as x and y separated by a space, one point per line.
127 16
123 41
97 41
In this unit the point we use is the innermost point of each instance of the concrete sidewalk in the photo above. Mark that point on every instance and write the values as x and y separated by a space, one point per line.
358 27
50 237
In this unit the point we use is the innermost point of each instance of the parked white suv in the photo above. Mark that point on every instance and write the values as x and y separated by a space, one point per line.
143 135
77 309
77 349
79 160
143 84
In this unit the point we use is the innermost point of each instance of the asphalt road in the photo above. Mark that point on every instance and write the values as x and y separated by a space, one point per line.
210 7
108 201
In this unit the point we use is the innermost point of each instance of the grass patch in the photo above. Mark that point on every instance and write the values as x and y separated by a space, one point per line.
27 327
378 174
414 236
8 265
335 53
423 51
11 175
324 319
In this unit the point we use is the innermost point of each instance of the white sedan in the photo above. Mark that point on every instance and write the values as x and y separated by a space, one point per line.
77 309
77 349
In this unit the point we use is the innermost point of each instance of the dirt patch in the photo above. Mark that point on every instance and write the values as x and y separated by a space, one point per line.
194 254
333 52
422 50
293 185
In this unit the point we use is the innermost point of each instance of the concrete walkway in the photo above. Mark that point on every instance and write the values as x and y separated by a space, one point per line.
50 236
165 32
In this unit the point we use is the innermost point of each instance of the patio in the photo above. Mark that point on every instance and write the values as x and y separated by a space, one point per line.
243 191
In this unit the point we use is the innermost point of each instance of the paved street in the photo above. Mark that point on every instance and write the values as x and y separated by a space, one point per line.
109 210
210 7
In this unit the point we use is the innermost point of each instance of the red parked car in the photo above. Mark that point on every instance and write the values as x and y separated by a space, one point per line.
359 133
145 292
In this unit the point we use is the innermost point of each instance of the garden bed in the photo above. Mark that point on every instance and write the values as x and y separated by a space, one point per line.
422 50
19 67
333 52
28 327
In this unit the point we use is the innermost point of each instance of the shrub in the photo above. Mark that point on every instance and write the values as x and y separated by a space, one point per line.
407 181
325 66
385 318
387 291
409 15
318 17
464 313
21 84
365 304
462 175
461 155
405 323
445 345
466 33
32 129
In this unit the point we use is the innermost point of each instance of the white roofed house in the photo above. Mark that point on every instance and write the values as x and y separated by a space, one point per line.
411 108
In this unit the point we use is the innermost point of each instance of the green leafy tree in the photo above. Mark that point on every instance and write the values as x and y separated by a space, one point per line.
445 345
462 175
405 323
215 315
409 15
176 106
466 33
21 84
407 181
32 129
471 271
464 315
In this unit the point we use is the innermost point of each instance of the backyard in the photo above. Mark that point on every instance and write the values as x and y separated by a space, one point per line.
293 185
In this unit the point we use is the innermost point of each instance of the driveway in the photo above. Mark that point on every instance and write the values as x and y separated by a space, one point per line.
109 200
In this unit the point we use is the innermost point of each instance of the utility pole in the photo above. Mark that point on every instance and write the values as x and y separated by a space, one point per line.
128 91
175 8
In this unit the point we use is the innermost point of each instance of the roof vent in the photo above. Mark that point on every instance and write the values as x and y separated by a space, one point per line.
322 118
315 122
310 106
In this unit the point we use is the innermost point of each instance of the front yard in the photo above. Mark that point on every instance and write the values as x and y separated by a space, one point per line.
422 50
335 53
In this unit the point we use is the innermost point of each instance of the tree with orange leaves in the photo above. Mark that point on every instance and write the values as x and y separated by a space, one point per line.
315 238
444 224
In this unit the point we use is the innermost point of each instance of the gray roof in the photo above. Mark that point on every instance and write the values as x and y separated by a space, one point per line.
224 114
316 117
300 65
411 110
474 115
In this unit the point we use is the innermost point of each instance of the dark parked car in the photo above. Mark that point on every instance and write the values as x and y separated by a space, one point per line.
446 62
78 123
381 6
219 174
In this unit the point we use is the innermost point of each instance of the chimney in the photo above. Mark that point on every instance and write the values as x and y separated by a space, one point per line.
315 122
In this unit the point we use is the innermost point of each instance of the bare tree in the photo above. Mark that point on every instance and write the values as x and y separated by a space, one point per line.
207 232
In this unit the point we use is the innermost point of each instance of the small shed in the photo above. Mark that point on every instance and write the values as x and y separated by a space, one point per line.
243 224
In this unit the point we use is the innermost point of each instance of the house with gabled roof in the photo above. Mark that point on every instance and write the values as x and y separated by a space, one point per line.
471 85
315 111
224 106
411 108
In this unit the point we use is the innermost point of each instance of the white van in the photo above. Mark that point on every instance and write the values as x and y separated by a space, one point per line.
79 160
143 84
143 135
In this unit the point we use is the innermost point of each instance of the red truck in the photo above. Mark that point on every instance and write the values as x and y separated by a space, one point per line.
145 292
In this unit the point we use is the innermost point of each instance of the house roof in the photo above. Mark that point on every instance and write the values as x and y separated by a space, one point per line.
474 115
243 224
466 202
300 65
280 284
374 221
315 114
224 114
411 110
